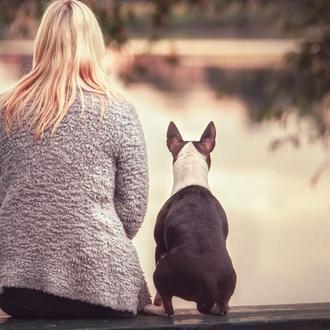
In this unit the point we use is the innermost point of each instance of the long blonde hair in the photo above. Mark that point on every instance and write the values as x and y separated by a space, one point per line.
67 56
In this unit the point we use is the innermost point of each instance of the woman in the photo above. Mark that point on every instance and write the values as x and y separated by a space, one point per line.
73 180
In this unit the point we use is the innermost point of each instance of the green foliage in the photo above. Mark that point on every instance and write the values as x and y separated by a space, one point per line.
302 86
310 66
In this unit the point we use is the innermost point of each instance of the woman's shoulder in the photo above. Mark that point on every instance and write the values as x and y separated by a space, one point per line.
120 118
122 115
117 105
122 106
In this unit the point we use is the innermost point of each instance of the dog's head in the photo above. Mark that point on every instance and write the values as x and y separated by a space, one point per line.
204 146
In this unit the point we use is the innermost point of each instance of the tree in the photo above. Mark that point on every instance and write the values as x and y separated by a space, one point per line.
301 87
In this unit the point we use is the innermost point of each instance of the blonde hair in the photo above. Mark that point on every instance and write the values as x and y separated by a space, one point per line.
67 56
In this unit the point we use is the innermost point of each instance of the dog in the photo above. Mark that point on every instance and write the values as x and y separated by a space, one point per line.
192 261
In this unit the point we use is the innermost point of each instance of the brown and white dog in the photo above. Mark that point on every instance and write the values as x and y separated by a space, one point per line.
192 261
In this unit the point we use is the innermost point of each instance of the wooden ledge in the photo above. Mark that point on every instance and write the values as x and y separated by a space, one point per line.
297 317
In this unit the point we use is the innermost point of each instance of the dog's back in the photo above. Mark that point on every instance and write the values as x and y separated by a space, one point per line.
190 232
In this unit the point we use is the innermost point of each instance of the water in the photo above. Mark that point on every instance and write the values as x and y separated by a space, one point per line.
279 224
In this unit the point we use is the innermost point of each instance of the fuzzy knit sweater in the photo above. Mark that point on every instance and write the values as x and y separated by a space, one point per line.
70 205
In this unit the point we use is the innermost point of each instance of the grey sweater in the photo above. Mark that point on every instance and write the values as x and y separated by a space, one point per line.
69 207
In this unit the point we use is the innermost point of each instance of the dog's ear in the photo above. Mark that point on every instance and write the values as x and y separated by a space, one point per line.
207 140
174 138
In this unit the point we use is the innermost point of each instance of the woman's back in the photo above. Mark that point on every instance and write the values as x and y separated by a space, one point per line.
69 205
73 190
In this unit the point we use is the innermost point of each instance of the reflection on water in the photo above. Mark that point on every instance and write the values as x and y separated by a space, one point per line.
279 224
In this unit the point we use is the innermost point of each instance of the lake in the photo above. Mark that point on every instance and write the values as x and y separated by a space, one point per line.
279 224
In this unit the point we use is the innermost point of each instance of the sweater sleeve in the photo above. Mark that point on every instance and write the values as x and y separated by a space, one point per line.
131 185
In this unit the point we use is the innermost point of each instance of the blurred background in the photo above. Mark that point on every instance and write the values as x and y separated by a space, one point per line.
261 71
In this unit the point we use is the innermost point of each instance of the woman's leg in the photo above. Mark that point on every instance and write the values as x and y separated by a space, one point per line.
30 303
14 307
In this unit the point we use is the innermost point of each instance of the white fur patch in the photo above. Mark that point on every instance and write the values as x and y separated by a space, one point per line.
217 310
190 168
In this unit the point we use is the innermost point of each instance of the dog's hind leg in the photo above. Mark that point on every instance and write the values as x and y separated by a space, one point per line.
227 292
159 254
219 309
205 308
167 302
164 279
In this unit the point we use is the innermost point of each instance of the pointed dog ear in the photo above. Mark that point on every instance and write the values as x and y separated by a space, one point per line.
174 138
207 140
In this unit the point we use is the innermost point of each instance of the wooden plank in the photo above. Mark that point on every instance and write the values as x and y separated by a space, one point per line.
292 317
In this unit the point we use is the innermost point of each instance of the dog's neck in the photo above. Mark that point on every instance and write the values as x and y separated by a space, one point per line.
190 168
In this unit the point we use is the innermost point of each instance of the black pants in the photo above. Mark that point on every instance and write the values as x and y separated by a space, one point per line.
30 303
